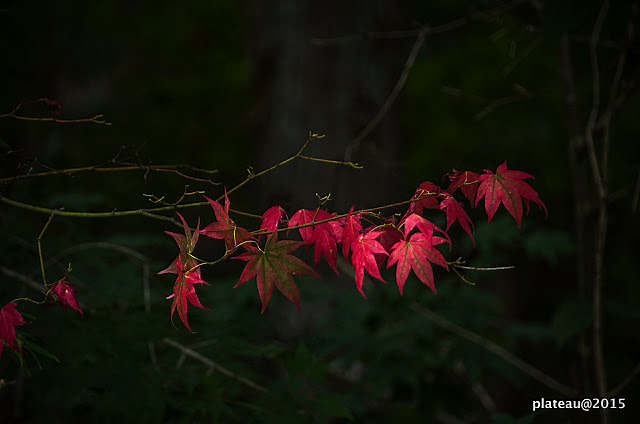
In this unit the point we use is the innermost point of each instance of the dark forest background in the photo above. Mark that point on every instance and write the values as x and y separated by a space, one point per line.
229 85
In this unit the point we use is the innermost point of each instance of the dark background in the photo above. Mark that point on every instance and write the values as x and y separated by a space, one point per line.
230 85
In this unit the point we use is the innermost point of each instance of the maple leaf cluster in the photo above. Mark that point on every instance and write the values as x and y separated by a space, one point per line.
408 243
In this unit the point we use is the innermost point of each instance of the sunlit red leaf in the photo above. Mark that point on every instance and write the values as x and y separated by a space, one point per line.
271 218
183 288
225 228
455 212
351 230
507 188
416 254
324 243
425 226
323 236
364 247
302 217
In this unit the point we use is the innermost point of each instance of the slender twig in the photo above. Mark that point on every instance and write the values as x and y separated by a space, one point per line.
98 119
601 229
523 366
214 366
580 194
478 388
355 143
151 212
593 115
434 30
475 268
74 214
312 136
515 62
127 251
39 239
628 379
71 171
351 164
22 278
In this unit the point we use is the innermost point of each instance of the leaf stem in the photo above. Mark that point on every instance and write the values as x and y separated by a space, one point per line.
39 239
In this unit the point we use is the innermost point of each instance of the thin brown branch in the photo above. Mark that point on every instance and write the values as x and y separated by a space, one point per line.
492 347
516 61
55 106
601 229
22 278
355 143
433 30
214 366
127 167
624 383
475 268
581 201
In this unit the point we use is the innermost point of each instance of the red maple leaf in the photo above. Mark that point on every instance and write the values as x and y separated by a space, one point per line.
271 218
426 193
183 289
66 294
324 243
186 267
506 187
323 236
186 245
426 227
416 254
351 230
272 265
225 228
467 181
303 217
9 318
364 247
455 212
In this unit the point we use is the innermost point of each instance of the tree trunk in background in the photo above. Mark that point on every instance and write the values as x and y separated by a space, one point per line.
332 89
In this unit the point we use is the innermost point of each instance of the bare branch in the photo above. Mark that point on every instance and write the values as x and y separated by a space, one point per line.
355 143
214 366
523 366
23 279
628 379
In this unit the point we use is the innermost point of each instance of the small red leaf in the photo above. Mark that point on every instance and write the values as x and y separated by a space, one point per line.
416 254
426 192
9 318
352 229
66 294
225 228
455 212
271 219
363 257
467 181
302 217
506 187
183 288
324 243
425 226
